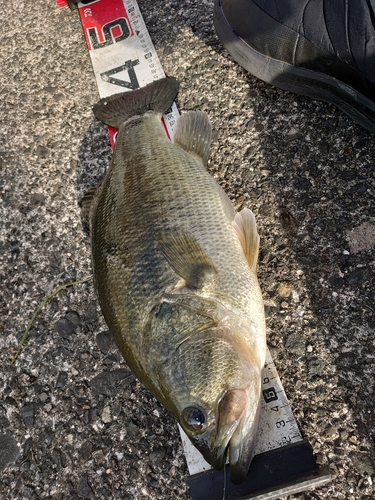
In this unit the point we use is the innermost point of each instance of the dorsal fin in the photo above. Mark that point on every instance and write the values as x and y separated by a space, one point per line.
193 134
187 258
246 229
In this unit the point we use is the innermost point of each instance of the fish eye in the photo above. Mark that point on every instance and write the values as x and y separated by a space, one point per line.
194 418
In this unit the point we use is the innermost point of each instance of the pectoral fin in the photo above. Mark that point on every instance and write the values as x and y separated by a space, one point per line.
187 258
246 229
193 134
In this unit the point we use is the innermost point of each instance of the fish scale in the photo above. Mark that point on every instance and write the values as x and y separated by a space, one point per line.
162 197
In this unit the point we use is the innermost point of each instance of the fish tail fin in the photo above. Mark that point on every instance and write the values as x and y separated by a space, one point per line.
158 96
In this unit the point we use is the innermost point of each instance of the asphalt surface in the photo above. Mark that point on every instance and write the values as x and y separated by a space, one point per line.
74 423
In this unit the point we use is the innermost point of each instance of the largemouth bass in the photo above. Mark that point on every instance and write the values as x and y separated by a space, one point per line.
175 272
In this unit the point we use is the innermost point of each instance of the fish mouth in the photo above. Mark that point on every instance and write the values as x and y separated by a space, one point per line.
236 433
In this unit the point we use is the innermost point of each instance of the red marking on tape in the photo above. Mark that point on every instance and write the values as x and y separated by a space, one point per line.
165 128
104 23
112 135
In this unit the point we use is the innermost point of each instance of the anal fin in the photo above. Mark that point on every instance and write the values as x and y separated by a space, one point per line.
86 201
193 134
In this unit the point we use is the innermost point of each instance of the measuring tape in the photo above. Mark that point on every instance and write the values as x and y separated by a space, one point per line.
124 58
121 51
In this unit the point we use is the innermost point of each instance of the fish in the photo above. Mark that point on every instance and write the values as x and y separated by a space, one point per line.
175 270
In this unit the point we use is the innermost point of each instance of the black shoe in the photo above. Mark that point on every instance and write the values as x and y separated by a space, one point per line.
322 49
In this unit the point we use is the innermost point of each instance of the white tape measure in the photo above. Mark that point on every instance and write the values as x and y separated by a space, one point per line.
124 58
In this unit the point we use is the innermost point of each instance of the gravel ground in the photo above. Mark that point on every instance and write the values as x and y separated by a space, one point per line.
74 423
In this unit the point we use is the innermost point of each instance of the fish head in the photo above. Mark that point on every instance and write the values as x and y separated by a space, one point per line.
211 383
224 423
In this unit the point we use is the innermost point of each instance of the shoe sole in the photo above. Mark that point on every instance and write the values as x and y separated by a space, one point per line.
291 78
